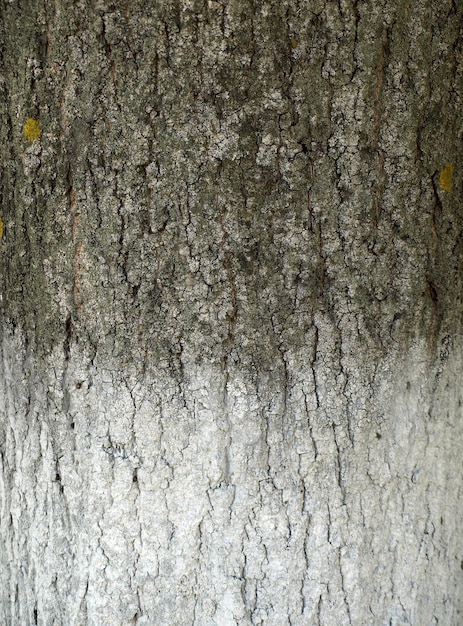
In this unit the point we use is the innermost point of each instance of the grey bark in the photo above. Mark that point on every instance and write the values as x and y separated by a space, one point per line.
231 307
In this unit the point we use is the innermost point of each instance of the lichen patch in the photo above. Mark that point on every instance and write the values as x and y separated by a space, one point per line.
32 130
446 177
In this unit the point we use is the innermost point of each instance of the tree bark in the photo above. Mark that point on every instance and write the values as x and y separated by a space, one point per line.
231 312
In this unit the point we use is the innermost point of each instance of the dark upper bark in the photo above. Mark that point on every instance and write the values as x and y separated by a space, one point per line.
223 176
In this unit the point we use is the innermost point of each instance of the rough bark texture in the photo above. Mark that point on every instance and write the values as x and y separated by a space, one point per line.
231 313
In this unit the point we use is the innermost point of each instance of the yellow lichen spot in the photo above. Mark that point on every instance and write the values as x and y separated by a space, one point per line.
32 129
1 228
294 43
446 177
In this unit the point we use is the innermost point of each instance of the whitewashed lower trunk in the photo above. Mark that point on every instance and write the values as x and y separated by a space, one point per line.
223 499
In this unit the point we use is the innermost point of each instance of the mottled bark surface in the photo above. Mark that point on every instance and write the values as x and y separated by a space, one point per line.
231 283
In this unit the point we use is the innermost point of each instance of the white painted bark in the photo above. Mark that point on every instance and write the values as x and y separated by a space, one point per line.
231 314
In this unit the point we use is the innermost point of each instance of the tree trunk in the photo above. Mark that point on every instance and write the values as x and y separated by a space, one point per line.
231 312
